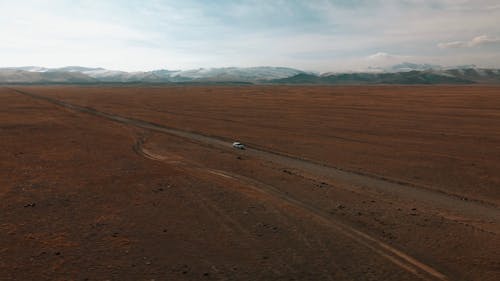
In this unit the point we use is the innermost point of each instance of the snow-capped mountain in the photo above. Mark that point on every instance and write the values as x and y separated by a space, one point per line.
427 76
26 68
250 74
9 76
205 74
408 66
226 74
237 74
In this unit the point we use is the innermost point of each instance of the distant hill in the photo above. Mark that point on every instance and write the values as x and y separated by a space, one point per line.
28 77
77 74
408 66
449 76
407 73
477 75
248 74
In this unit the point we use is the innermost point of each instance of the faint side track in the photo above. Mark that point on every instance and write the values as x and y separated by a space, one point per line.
392 254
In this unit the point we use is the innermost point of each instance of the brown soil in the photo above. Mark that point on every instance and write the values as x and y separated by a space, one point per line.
86 197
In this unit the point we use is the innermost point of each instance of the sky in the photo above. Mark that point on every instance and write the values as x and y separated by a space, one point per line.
314 35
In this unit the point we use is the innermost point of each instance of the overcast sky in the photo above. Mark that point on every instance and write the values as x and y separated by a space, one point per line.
322 35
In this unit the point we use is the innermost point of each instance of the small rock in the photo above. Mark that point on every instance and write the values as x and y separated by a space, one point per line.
160 189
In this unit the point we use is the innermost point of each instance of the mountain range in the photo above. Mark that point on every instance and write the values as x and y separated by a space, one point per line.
405 73
430 76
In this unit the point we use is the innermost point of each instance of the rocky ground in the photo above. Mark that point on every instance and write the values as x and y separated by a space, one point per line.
84 197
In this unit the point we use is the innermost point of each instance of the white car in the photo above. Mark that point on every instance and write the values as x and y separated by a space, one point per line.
238 145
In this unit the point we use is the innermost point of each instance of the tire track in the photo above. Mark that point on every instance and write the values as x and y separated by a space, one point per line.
394 255
205 202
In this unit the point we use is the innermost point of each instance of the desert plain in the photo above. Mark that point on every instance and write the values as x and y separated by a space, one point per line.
335 183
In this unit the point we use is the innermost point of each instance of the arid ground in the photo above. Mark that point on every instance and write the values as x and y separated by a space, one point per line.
336 183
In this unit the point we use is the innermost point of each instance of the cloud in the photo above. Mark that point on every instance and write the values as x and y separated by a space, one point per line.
383 60
454 44
386 57
474 42
320 35
484 40
381 56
